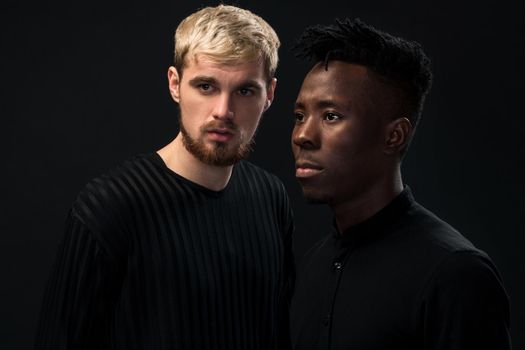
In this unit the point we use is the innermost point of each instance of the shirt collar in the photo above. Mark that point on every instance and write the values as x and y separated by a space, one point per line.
379 224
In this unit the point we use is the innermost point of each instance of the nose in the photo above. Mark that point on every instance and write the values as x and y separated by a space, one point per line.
223 108
306 134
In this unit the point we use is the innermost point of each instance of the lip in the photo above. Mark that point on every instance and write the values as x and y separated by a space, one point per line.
220 134
304 169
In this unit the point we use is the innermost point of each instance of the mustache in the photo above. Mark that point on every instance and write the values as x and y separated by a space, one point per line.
220 124
303 157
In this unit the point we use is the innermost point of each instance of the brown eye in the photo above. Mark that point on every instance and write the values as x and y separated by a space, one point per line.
331 117
299 117
245 92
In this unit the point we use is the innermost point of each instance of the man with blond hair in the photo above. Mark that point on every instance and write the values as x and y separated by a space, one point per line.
188 247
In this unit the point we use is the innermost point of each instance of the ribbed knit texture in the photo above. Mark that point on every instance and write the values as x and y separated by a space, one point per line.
150 260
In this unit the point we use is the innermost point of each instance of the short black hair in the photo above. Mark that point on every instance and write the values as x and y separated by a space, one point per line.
403 63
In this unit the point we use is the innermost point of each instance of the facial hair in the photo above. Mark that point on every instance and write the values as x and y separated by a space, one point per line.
220 153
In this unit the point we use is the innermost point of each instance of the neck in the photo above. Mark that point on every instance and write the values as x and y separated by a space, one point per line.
367 203
182 162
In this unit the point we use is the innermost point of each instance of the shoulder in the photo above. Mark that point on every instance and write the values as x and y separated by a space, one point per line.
433 232
466 297
105 205
467 268
246 168
252 175
441 251
456 267
118 183
264 187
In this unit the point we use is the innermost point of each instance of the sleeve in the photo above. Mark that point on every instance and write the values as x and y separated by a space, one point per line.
289 281
465 306
80 294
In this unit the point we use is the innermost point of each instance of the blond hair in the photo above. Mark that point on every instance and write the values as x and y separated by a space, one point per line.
227 35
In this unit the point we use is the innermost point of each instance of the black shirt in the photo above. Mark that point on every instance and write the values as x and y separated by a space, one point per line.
151 260
402 279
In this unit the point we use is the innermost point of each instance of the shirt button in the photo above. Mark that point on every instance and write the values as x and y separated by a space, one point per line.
337 265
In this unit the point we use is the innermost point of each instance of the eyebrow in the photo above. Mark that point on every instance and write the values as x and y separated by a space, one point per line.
202 79
320 104
254 84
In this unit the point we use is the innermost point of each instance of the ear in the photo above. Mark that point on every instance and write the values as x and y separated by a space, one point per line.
270 93
397 135
174 83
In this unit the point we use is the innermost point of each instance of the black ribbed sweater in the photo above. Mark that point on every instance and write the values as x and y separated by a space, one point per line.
151 260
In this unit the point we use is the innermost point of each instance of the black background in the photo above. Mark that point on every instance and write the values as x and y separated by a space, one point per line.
83 86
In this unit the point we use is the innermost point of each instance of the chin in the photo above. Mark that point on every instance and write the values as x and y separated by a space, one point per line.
316 201
314 197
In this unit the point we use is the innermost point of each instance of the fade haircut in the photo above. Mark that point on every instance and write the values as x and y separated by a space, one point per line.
227 35
400 63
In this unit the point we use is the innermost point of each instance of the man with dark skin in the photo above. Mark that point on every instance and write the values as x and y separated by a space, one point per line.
390 275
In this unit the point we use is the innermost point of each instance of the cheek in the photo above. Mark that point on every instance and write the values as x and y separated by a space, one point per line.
294 147
339 143
249 106
195 107
249 114
250 126
354 140
193 117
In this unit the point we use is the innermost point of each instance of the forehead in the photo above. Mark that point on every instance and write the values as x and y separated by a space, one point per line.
206 68
343 83
201 64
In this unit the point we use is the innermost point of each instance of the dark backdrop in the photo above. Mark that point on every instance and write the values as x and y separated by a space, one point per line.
84 86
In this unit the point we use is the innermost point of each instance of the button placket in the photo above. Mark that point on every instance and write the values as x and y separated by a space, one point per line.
326 321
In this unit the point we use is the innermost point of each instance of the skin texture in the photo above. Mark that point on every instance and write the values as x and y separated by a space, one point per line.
346 144
220 109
